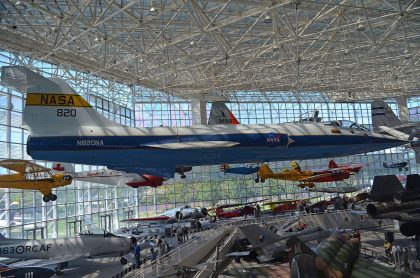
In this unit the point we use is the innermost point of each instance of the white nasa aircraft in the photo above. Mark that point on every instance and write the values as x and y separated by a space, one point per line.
385 121
64 127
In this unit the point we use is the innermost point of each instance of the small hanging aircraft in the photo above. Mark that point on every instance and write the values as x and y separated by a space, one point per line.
400 165
240 170
33 176
113 177
308 178
236 210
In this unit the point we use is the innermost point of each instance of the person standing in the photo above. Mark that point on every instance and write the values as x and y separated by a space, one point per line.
135 247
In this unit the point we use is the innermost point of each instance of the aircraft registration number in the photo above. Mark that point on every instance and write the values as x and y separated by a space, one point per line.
66 112
20 249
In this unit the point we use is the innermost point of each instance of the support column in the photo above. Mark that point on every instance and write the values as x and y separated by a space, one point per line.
402 106
199 112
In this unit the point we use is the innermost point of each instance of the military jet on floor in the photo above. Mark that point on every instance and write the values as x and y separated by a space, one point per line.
393 201
271 247
58 252
25 272
34 177
174 215
337 256
63 126
310 177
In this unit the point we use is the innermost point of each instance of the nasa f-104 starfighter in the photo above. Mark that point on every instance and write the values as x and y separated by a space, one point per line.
64 127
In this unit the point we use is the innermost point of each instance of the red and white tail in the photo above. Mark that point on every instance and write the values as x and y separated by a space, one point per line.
220 114
63 167
332 164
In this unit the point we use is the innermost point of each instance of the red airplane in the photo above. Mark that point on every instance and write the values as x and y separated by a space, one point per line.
286 205
239 209
146 180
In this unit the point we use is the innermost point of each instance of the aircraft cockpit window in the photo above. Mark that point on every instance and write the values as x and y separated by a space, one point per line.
346 124
352 125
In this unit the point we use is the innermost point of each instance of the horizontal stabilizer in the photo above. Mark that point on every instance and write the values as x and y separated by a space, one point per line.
384 188
194 145
394 132
259 236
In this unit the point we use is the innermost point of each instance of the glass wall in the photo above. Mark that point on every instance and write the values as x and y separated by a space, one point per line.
23 214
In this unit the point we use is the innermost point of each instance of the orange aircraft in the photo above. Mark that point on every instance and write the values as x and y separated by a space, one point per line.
308 178
33 176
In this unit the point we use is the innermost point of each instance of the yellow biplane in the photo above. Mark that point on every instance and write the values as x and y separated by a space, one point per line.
33 176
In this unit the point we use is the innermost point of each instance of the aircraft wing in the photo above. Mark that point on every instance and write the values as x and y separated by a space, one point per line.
47 263
314 177
344 189
22 166
194 145
148 219
393 132
240 204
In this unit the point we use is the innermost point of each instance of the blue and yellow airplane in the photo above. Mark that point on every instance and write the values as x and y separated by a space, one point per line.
64 127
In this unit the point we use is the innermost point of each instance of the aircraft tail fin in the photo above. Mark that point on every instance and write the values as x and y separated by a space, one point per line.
382 115
265 169
332 164
259 236
384 187
52 106
63 167
224 167
413 182
220 114
295 165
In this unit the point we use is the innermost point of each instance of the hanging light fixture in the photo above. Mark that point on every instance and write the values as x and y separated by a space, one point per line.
153 10
268 19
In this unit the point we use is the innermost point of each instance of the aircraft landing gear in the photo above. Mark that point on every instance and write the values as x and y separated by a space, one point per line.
257 180
183 176
49 197
262 180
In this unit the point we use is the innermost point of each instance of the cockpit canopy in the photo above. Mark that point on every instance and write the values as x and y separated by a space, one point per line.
346 124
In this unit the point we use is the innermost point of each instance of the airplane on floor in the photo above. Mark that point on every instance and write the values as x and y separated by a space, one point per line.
174 215
285 205
385 121
65 127
393 201
310 177
59 251
236 210
25 271
33 176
